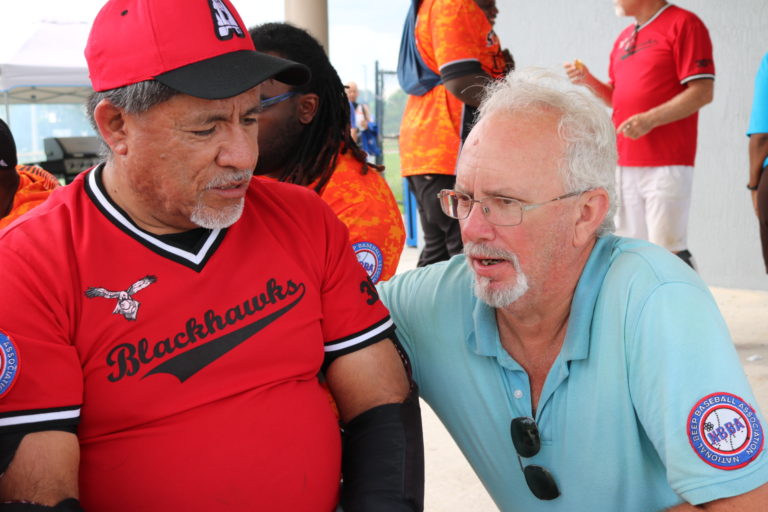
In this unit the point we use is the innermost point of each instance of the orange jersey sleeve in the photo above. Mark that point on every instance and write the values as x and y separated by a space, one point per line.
35 185
447 32
365 204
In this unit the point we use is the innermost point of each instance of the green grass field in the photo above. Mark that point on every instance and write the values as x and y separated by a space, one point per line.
392 169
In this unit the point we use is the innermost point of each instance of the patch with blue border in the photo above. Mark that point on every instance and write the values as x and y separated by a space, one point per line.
371 258
9 363
725 431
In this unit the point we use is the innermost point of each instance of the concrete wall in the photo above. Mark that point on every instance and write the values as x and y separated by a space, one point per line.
723 233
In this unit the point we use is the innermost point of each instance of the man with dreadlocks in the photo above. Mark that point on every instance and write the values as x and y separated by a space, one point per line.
304 138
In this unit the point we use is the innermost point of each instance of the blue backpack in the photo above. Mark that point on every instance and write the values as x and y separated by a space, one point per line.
414 76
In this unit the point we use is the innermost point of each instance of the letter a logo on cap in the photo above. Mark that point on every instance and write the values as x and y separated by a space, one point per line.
224 23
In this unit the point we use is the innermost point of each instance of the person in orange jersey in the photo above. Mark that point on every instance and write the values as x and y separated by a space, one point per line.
304 138
456 40
22 187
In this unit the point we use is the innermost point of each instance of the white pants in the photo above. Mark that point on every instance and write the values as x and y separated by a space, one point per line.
654 203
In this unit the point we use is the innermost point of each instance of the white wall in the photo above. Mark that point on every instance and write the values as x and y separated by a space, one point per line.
723 231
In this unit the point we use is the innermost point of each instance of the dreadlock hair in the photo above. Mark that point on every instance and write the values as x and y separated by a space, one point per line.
329 132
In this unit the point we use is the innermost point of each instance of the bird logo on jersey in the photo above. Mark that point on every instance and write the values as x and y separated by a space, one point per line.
126 304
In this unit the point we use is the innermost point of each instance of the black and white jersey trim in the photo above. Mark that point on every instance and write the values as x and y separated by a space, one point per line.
658 13
377 332
195 260
697 77
36 419
361 337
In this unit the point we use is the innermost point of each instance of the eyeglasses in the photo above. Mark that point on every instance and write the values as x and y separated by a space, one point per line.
274 100
499 210
525 437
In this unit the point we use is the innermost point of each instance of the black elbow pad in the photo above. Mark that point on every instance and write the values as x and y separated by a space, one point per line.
383 459
68 505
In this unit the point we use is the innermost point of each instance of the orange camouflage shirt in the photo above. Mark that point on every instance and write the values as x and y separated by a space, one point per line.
447 31
35 185
365 204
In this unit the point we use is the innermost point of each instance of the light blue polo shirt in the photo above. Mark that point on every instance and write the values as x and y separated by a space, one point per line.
758 121
647 403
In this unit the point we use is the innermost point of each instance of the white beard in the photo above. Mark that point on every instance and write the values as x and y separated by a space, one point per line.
619 11
207 217
499 298
210 218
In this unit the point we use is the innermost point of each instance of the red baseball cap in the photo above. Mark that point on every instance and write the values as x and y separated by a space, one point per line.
196 47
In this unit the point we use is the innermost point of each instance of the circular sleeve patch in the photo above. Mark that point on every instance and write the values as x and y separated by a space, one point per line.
371 258
9 363
725 431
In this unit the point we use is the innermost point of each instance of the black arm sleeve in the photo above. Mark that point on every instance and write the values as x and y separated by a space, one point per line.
10 438
460 69
383 459
68 505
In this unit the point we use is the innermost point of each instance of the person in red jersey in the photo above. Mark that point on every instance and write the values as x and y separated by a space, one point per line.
661 74
144 365
305 138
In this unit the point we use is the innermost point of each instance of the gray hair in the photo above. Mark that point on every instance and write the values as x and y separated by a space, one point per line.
133 99
585 126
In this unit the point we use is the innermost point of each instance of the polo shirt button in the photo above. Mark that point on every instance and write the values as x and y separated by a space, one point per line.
518 394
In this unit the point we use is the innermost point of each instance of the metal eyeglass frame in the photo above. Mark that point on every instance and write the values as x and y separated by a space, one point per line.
444 194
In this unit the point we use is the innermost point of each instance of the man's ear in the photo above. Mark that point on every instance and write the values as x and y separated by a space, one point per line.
110 122
593 206
308 105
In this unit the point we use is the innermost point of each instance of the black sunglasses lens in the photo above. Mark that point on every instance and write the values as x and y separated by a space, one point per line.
525 436
541 482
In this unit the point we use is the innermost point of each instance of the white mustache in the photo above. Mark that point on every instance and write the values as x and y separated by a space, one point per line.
227 179
476 250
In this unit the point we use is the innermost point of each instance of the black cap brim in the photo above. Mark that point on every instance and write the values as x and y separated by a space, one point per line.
232 73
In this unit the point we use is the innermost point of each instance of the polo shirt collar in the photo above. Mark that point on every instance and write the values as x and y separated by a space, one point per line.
576 345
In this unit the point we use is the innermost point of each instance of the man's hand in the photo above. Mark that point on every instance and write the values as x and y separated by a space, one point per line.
578 73
696 94
636 126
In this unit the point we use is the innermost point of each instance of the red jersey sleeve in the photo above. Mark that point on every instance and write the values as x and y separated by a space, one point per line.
41 380
353 316
693 51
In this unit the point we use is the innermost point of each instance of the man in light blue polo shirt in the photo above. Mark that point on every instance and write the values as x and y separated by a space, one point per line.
586 371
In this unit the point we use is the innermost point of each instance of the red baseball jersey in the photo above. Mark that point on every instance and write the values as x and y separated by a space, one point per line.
193 372
651 66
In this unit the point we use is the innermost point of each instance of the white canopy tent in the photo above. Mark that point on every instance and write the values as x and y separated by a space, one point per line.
46 66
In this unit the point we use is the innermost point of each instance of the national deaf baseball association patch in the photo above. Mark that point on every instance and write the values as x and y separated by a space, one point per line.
725 431
9 363
371 258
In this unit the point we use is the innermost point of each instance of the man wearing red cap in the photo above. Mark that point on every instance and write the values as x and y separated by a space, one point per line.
145 366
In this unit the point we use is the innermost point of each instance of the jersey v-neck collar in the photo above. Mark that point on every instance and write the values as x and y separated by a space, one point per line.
658 13
192 258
